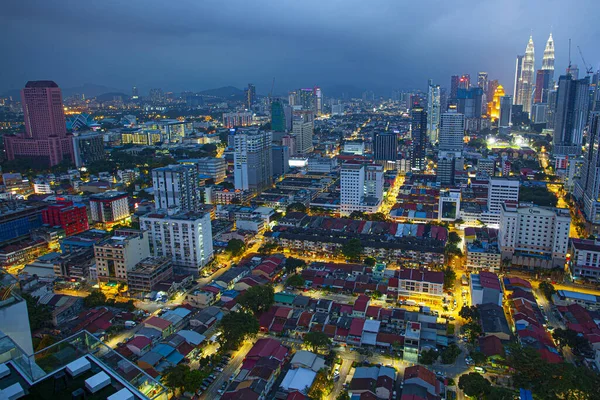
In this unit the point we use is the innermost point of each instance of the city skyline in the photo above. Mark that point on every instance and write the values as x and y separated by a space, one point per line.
359 47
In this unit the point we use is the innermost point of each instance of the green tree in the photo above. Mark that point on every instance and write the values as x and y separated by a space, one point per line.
295 207
547 289
352 249
321 386
469 313
316 341
46 341
376 295
478 357
292 264
449 277
428 356
343 396
474 385
175 377
450 353
236 327
370 262
235 247
473 331
501 393
357 215
268 248
94 299
295 281
257 299
40 315
453 238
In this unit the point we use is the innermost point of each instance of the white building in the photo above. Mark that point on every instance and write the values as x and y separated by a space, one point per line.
499 191
361 187
534 237
185 237
234 119
119 254
449 205
302 129
109 207
42 188
452 132
354 147
585 258
324 165
253 169
433 111
214 167
176 186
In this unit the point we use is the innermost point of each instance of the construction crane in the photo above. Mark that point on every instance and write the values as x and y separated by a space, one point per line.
588 70
271 91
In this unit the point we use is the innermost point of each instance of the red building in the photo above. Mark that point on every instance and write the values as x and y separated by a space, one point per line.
71 217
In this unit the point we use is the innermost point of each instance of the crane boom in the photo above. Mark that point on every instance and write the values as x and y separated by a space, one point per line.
589 70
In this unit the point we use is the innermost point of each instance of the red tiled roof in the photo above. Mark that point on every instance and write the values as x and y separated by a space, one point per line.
139 342
491 346
282 312
356 327
158 322
420 372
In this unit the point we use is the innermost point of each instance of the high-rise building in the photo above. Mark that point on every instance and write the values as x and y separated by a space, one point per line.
305 98
587 187
551 109
464 82
281 160
235 119
385 147
278 116
157 96
452 132
289 141
493 109
527 77
250 93
453 89
538 113
534 236
69 216
318 95
573 70
482 81
470 102
109 207
548 60
418 134
176 186
45 140
486 166
518 79
501 190
119 254
445 169
361 187
87 148
505 112
433 111
186 238
570 117
303 129
492 86
215 168
252 159
134 93
543 84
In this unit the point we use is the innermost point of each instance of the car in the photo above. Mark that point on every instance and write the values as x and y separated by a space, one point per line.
203 387
481 370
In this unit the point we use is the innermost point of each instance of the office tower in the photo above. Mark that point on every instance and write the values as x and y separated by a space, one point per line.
109 207
452 131
445 170
134 93
534 236
470 102
464 82
543 82
361 187
87 148
185 238
493 108
453 88
486 166
418 133
573 70
71 217
236 119
492 86
45 140
250 93
587 187
214 168
385 147
303 129
289 142
176 186
505 112
527 77
538 113
277 116
337 109
318 96
281 160
551 109
443 100
501 190
118 254
482 81
570 118
548 60
252 160
518 80
14 325
305 98
433 111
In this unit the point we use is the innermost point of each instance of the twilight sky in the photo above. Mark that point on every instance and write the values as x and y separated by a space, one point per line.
201 44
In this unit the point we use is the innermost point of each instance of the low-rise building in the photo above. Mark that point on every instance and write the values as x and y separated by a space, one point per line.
421 284
485 288
584 260
148 272
109 207
118 255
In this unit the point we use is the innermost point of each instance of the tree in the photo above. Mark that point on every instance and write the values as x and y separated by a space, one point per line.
357 215
40 315
370 261
321 386
568 337
235 247
376 295
478 357
257 299
343 396
295 281
236 327
316 341
299 207
473 331
474 385
428 356
453 238
175 377
547 289
292 264
449 278
268 248
352 249
94 299
500 393
469 313
450 353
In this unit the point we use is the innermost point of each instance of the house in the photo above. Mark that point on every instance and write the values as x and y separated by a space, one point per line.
421 284
375 381
486 288
361 304
139 345
493 321
207 317
162 325
204 297
491 347
421 382
232 276
298 380
307 359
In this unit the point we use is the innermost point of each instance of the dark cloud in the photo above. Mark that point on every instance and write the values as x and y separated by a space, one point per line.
192 44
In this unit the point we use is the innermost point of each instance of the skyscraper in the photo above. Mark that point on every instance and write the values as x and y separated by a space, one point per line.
252 159
548 60
518 73
452 131
385 147
505 111
570 116
418 132
303 129
278 116
45 140
361 187
494 105
527 77
482 81
445 170
573 70
250 96
176 186
318 96
587 187
433 111
543 84
134 93
453 88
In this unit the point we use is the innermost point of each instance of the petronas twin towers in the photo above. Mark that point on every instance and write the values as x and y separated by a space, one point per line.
525 72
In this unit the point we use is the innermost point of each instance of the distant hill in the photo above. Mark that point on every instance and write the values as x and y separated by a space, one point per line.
88 89
226 92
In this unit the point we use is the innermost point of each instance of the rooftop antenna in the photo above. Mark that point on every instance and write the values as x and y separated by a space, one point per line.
569 54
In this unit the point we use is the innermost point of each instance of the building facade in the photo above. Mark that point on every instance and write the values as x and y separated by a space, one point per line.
176 186
361 187
452 132
215 168
69 216
109 207
253 169
418 134
570 115
119 254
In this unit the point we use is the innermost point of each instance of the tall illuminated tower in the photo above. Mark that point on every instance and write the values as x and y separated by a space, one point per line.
518 77
527 77
433 111
548 60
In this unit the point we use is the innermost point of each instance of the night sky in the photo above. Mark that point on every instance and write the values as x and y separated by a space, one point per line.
201 44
